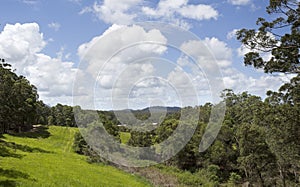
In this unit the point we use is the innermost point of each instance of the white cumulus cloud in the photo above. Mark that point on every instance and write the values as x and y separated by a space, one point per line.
239 82
167 8
211 53
198 12
114 61
21 46
114 11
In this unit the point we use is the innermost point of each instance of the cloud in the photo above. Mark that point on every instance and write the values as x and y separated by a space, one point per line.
242 50
232 34
180 11
52 76
119 65
130 42
61 54
183 83
128 11
114 11
212 56
114 62
200 81
30 2
211 53
167 8
239 2
21 45
20 42
239 82
54 25
215 56
75 1
221 52
198 12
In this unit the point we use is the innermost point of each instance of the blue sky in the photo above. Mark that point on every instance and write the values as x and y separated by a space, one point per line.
50 42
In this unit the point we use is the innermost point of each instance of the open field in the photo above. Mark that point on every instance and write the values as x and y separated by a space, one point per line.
46 158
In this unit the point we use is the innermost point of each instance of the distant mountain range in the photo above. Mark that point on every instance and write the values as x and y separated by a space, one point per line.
153 109
162 109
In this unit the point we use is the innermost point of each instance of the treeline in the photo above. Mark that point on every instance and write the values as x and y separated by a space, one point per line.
20 107
61 115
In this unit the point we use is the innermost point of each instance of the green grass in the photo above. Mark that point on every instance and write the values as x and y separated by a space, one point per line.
50 161
125 136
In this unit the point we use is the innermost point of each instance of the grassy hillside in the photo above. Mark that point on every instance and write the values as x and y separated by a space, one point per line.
47 159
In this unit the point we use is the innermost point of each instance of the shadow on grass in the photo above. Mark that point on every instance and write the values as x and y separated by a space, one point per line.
24 148
4 152
38 131
8 183
12 174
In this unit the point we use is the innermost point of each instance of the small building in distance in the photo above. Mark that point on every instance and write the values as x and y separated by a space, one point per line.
122 125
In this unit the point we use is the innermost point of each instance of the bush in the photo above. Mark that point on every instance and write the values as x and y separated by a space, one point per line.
234 179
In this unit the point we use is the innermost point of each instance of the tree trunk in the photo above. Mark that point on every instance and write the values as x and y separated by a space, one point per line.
2 128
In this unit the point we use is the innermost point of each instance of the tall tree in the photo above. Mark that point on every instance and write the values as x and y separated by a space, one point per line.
7 78
62 115
24 98
18 100
282 124
280 37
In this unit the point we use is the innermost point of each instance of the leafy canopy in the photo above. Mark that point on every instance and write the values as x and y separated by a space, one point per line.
280 37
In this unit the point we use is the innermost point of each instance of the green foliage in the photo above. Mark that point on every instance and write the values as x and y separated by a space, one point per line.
282 136
234 178
18 102
61 115
266 136
79 146
202 177
258 142
280 37
277 129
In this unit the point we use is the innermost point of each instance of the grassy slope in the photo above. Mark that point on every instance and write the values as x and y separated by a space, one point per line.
125 136
51 162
